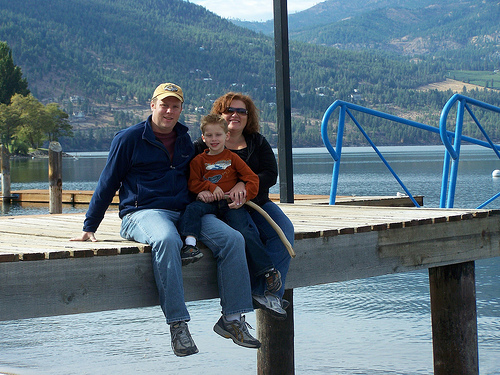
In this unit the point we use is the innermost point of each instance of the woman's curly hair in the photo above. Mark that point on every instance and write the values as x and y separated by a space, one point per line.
224 102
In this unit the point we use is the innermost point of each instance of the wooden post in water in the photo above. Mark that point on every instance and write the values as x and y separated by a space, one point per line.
454 319
55 178
5 170
276 355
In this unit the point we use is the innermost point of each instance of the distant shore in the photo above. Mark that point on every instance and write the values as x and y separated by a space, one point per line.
38 154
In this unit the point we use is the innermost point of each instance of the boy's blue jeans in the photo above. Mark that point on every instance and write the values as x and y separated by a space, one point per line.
157 228
259 261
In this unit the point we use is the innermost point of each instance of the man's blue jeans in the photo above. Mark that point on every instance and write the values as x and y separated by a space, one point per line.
274 247
157 228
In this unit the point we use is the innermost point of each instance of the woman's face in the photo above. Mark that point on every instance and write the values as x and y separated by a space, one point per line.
236 116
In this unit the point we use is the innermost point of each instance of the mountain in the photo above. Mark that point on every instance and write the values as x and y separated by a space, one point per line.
332 11
105 47
101 59
433 29
404 27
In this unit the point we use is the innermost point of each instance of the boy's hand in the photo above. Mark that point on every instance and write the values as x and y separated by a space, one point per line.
205 196
218 193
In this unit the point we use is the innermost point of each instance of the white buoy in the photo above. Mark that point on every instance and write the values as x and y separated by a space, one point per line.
495 173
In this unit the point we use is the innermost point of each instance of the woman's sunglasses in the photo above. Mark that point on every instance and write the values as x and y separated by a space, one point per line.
241 111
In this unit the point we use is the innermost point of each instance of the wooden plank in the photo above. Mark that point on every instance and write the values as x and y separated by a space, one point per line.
442 243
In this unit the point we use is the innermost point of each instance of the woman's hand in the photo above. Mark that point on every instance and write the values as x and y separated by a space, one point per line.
238 195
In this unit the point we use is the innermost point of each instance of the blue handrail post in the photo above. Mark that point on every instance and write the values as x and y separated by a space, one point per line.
456 147
336 163
326 141
444 180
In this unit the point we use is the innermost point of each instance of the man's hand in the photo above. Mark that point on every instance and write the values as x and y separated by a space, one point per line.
85 237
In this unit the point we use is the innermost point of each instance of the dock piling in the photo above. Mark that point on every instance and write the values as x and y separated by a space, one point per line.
55 178
5 169
454 319
276 356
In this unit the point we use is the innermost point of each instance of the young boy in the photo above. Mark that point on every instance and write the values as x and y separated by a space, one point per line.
213 173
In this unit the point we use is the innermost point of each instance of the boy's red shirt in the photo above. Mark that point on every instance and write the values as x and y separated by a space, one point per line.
223 170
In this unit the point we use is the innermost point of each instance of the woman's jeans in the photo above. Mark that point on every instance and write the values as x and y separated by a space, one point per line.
274 247
259 262
157 228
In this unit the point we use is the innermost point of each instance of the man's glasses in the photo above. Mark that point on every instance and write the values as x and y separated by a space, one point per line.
241 111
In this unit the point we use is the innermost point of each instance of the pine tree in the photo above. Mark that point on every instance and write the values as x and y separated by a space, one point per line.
11 81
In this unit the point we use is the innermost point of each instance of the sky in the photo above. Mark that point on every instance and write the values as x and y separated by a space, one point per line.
251 10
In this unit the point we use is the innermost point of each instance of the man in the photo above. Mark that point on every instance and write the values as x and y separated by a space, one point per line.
149 164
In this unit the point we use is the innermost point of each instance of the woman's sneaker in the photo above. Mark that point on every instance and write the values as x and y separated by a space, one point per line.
190 254
237 330
273 280
271 303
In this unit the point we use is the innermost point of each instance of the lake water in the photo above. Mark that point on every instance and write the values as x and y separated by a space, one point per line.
380 325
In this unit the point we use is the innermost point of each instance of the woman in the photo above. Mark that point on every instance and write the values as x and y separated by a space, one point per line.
246 141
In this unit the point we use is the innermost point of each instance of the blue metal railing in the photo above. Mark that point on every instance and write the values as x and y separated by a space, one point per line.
451 151
345 109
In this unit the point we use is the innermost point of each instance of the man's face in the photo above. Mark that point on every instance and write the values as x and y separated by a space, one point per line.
165 114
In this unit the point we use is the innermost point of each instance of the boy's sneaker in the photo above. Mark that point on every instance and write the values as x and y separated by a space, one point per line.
190 254
182 342
273 280
238 331
271 303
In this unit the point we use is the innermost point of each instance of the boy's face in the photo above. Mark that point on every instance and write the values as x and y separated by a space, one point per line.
215 138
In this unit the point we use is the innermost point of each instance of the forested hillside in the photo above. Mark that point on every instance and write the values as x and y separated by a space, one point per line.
101 59
440 28
331 11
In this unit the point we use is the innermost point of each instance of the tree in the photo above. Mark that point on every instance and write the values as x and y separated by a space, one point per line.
59 125
9 122
11 81
33 120
27 123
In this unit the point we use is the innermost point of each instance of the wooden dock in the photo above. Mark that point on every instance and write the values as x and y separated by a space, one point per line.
75 197
42 273
360 242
